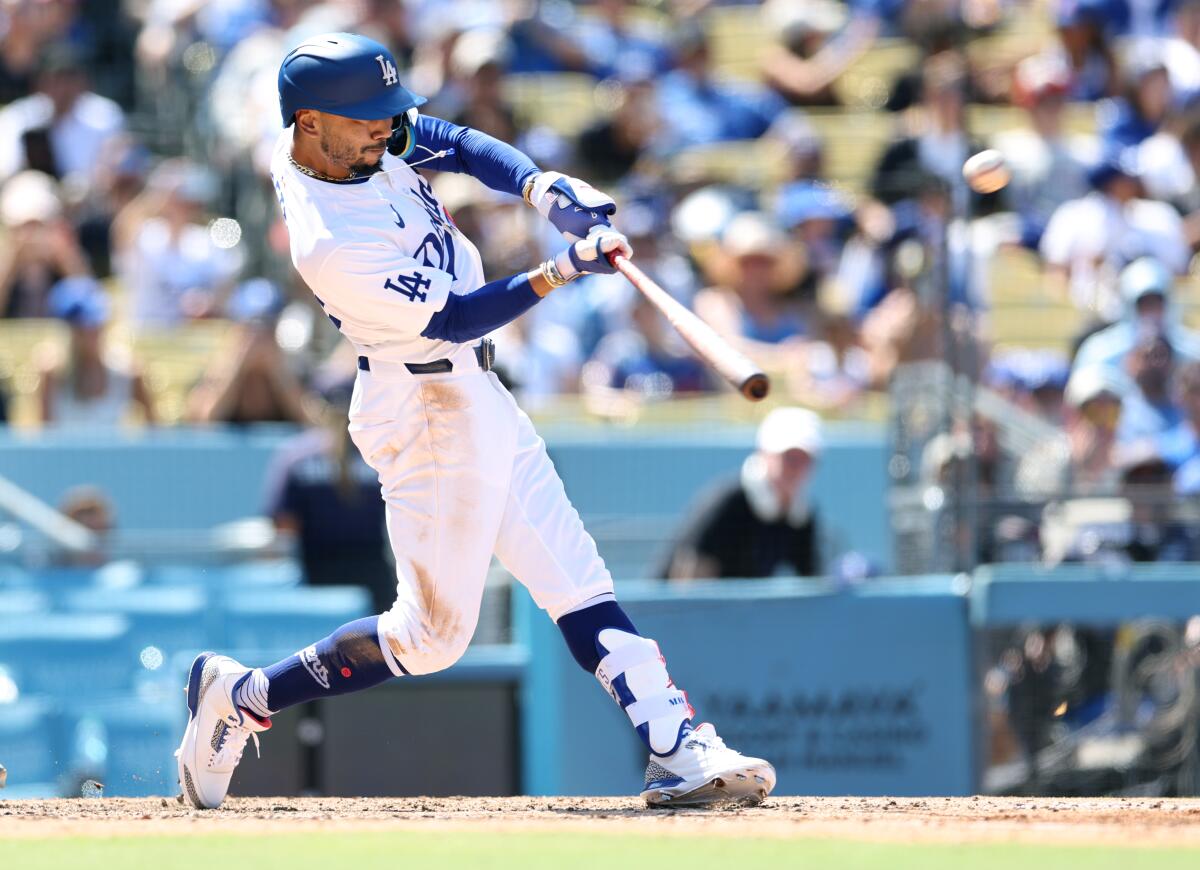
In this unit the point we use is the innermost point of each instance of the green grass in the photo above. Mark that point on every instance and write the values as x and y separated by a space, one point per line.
410 850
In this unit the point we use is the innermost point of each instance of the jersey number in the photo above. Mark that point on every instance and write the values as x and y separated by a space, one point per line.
410 286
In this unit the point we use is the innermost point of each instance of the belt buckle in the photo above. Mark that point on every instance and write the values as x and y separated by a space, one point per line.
485 353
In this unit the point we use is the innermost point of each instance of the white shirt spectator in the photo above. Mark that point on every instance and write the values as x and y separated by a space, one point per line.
1094 236
1046 172
163 272
76 137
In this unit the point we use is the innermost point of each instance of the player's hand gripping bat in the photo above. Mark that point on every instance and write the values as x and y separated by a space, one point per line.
738 371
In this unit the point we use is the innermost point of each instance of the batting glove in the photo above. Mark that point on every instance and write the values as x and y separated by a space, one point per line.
573 206
590 256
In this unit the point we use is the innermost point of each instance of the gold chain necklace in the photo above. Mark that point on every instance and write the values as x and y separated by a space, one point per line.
320 176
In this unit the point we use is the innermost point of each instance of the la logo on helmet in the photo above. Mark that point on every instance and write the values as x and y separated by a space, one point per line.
389 71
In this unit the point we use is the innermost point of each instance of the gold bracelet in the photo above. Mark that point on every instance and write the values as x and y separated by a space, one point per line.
527 189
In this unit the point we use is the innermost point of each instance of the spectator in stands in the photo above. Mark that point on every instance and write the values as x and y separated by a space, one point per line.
1180 446
698 108
28 26
1149 409
1156 533
1044 378
1171 168
39 248
648 359
477 64
938 143
1048 166
804 152
1083 46
1090 239
1135 116
172 263
320 490
819 218
61 127
752 308
610 148
91 387
91 507
1179 48
1145 288
811 53
254 384
544 39
120 176
614 42
762 524
1080 461
834 368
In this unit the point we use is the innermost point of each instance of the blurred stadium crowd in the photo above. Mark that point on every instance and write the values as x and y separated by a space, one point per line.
790 170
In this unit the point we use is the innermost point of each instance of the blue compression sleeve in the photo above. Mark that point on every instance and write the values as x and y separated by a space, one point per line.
496 303
497 164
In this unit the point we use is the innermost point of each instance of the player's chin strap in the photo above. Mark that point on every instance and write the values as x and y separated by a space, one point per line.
634 673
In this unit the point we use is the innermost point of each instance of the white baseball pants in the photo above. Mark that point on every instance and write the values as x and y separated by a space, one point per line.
464 476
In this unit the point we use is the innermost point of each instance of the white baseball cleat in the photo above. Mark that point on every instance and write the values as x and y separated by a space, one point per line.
217 730
704 771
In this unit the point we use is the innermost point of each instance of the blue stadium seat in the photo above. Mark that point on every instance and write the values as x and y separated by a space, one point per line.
14 602
290 619
67 655
31 747
61 581
15 577
170 618
139 740
270 573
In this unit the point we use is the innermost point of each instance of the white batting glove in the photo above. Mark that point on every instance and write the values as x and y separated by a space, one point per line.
572 205
590 255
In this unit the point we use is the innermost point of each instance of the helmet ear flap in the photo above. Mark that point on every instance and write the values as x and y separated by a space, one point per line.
403 140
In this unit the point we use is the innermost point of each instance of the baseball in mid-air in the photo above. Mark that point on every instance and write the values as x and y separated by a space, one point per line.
986 172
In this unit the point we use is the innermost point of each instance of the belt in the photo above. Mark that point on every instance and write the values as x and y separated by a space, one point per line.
485 355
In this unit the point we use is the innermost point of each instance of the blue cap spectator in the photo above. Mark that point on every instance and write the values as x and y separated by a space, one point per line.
80 301
1145 287
254 300
803 201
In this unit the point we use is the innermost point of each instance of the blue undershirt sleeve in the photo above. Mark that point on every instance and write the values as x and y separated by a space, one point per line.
465 318
497 164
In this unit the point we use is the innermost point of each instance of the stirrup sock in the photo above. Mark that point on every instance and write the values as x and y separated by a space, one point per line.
633 672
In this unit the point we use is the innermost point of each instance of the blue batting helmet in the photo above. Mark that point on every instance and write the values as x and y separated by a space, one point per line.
343 74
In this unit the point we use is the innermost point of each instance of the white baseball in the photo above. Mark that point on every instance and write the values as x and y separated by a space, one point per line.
986 172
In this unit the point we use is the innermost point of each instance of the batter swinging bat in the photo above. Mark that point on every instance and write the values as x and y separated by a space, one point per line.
742 374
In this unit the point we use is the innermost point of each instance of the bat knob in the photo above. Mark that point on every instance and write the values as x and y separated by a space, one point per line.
756 387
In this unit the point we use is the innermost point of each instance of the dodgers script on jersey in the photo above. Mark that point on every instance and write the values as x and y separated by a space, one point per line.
381 254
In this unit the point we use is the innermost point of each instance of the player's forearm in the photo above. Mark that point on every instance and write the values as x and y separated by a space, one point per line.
497 164
465 318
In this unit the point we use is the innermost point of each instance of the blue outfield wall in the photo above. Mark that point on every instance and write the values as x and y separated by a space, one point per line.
866 692
194 479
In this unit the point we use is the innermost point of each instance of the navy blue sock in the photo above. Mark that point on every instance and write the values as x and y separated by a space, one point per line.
349 660
581 629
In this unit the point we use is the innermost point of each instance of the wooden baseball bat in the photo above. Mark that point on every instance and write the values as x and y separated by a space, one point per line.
738 371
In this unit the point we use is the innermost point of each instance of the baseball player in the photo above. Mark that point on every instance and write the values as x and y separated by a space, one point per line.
462 471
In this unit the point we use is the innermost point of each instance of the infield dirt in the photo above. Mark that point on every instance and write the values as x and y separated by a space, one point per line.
1104 821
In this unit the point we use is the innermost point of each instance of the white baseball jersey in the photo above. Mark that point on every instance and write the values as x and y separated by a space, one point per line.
462 471
381 254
